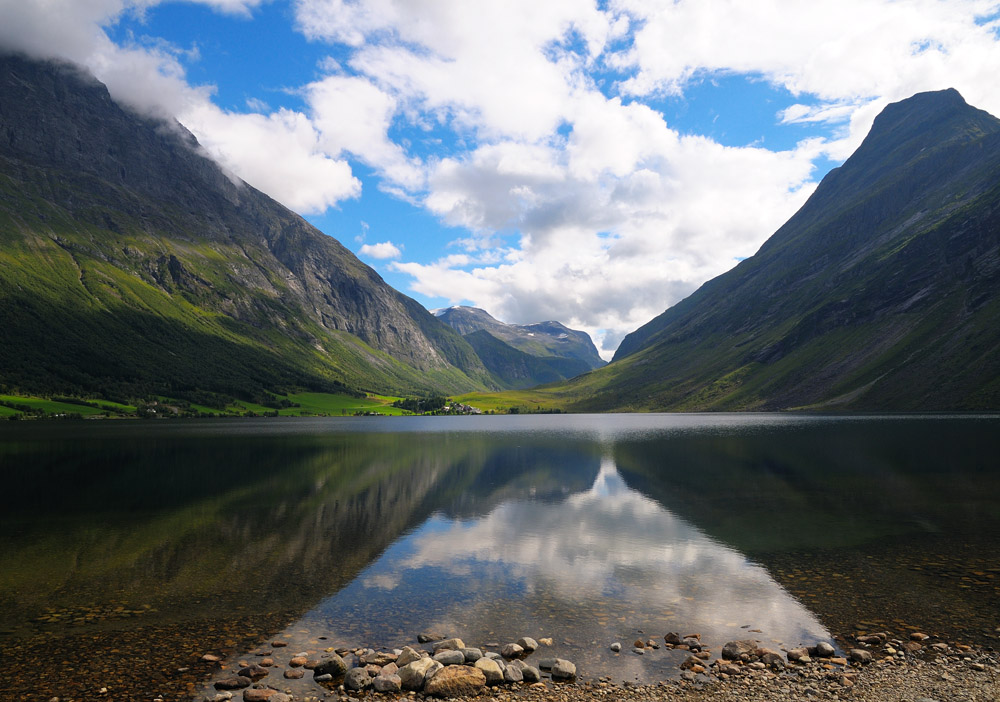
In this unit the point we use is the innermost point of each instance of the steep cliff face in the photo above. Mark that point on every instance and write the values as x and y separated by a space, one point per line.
124 245
882 292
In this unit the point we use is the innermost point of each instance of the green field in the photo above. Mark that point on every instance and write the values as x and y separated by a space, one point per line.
521 401
318 403
52 407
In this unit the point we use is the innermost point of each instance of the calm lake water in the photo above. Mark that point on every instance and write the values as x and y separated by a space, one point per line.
129 549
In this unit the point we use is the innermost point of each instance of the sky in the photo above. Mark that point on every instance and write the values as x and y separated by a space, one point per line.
591 162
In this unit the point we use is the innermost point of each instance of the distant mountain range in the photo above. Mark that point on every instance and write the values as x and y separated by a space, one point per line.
523 355
130 264
881 293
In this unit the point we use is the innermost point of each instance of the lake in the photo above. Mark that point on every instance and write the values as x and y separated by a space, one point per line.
128 549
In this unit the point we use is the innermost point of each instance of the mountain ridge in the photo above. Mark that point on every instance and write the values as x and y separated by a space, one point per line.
863 297
152 252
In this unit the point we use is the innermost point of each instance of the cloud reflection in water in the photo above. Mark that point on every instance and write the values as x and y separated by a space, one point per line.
598 566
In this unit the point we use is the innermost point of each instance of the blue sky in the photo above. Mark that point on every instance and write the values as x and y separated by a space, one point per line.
591 162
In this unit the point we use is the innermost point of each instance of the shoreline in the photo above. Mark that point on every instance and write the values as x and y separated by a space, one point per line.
869 668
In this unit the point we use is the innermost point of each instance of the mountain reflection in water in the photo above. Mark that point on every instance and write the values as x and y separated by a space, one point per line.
599 565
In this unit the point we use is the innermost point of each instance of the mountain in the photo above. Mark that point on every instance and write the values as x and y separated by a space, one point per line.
522 356
131 264
881 293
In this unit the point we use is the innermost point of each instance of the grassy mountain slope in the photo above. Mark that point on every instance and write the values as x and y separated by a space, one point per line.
131 264
881 293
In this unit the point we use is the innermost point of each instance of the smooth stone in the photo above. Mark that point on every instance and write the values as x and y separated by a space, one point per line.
278 644
449 645
333 666
211 658
493 656
825 650
638 651
511 651
672 638
492 672
860 656
357 679
294 674
449 657
531 674
563 670
407 656
456 681
616 647
412 674
387 683
267 663
390 669
233 682
527 643
218 697
298 661
472 654
325 677
429 636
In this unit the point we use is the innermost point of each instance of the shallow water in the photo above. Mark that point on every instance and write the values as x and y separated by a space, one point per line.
131 548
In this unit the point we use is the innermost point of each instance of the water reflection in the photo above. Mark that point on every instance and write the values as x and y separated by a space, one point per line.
602 564
144 545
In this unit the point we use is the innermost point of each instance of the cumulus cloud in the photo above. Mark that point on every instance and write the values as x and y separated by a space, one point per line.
382 250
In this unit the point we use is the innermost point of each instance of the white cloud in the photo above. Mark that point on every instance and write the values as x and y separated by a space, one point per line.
383 250
279 153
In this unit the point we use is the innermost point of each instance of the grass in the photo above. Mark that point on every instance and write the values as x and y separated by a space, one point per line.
522 400
318 403
52 407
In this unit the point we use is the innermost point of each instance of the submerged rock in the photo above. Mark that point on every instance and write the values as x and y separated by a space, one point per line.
233 682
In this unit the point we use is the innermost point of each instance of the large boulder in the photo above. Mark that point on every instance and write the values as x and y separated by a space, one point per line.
456 681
